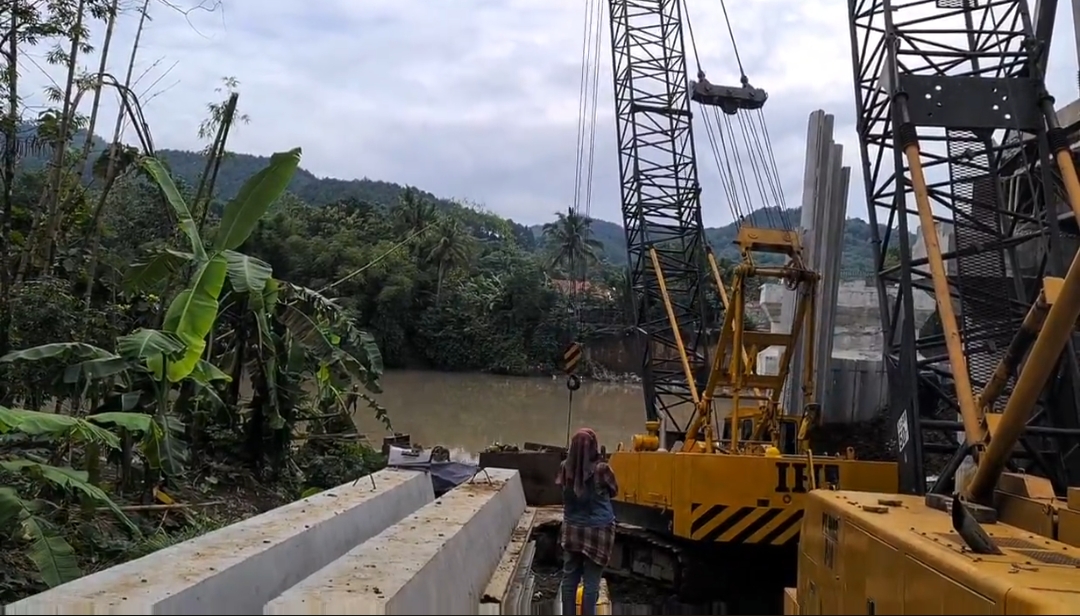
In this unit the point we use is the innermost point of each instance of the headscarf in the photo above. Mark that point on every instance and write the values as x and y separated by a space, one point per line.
581 460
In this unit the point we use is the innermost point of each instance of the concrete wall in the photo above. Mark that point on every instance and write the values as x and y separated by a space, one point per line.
438 560
616 354
621 354
857 331
855 386
237 569
855 390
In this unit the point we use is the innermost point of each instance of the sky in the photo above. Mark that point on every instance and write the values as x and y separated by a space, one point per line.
471 99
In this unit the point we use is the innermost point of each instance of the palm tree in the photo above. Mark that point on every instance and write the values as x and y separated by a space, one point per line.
568 236
453 247
413 214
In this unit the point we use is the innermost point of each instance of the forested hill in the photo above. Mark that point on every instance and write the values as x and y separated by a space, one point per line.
236 168
320 191
858 253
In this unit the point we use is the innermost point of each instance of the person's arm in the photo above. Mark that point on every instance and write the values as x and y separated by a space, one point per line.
608 477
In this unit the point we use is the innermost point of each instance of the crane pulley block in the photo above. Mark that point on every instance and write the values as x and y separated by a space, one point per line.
730 99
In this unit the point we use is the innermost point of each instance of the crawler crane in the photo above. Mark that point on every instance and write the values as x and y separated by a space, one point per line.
958 130
697 487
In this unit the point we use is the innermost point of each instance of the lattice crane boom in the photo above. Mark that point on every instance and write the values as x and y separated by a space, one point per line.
660 196
956 127
670 262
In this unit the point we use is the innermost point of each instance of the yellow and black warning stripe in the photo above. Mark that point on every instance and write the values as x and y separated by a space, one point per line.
571 357
768 525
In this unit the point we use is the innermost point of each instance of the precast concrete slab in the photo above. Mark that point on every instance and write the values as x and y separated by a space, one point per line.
438 560
237 569
509 591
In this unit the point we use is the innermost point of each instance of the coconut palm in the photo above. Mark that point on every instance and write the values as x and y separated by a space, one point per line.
568 237
413 213
452 247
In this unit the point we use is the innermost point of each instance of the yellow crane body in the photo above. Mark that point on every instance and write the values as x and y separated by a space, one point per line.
736 485
866 553
1029 503
732 498
733 487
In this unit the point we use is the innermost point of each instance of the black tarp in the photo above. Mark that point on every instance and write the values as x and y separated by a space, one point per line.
445 474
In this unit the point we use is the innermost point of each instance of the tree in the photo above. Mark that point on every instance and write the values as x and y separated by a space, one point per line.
568 239
413 214
892 257
452 248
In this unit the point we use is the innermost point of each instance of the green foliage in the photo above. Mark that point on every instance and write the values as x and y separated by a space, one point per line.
445 287
28 517
312 190
166 395
336 463
189 316
570 242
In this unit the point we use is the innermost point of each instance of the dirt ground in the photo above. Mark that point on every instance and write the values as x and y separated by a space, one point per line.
620 590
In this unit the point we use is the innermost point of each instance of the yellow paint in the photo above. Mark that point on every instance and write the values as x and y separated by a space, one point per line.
1028 502
603 602
734 372
791 602
893 554
738 487
745 505
571 357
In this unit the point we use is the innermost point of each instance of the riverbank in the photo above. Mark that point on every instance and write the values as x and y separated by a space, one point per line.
602 375
218 485
588 372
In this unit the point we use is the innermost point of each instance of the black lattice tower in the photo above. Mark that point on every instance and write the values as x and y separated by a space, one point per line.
967 73
660 195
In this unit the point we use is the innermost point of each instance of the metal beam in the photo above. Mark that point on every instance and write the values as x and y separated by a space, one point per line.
968 107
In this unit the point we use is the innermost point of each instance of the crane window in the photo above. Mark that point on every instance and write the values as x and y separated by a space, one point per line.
830 528
789 432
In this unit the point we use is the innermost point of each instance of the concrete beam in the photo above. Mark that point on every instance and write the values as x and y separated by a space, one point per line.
436 561
509 591
819 144
237 569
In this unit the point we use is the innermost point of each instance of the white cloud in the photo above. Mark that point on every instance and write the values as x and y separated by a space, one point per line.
474 99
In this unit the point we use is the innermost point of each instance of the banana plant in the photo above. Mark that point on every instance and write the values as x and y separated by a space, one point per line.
25 517
160 430
321 327
193 312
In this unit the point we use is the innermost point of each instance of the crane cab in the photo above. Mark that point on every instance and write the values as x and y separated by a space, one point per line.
748 419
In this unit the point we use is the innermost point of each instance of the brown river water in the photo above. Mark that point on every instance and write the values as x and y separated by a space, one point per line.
468 412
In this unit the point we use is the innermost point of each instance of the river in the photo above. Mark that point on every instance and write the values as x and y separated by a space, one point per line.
468 412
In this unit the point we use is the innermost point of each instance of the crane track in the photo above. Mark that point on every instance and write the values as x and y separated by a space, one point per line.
640 554
643 566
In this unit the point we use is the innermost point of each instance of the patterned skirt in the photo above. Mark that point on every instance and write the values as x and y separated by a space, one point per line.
594 542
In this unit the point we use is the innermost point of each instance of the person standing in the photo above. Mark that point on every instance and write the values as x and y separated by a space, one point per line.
588 527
